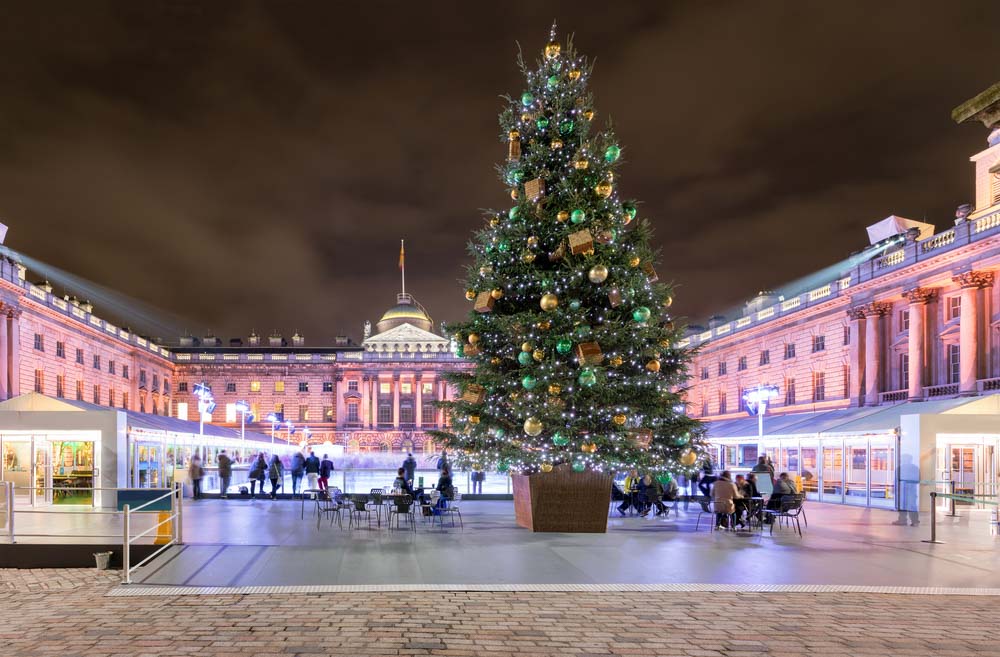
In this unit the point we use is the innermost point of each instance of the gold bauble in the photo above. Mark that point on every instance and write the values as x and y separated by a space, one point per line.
616 361
589 115
598 274
546 467
555 388
528 256
514 194
513 134
525 117
532 242
619 419
473 338
634 260
669 301
497 293
470 294
527 346
665 343
494 222
603 189
574 75
581 162
653 365
549 302
533 426
555 144
688 458
562 216
495 361
543 325
474 419
552 50
538 354
588 448
515 395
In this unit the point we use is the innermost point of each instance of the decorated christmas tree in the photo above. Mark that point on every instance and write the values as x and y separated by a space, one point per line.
577 357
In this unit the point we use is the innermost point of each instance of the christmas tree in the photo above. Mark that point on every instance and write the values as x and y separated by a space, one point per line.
576 355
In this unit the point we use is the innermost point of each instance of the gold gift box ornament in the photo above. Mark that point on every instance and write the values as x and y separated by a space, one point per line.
647 268
641 437
484 302
589 353
534 188
474 394
581 242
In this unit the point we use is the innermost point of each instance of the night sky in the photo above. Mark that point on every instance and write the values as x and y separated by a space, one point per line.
252 165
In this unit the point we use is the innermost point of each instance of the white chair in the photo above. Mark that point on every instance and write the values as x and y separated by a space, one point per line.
452 508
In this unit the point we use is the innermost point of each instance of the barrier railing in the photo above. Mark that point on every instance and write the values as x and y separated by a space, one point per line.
13 512
974 499
175 519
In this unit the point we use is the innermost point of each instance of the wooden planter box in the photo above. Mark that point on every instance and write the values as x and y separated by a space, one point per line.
563 501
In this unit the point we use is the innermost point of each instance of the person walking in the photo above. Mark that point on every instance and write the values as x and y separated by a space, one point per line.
298 469
325 470
275 472
312 470
195 474
225 474
410 468
257 472
443 462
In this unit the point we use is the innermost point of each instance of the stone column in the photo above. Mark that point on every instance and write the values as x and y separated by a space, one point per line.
14 343
395 400
874 312
856 390
338 401
971 282
363 410
418 399
441 395
4 374
916 351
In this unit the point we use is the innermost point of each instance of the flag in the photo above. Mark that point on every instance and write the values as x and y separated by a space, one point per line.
402 254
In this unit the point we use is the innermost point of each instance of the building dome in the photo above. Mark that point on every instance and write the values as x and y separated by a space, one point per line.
406 311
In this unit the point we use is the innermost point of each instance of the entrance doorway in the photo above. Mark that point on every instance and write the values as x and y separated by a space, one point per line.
64 471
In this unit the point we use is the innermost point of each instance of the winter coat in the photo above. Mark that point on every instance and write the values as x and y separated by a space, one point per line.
325 468
410 467
275 470
298 465
723 494
225 466
312 464
258 469
195 471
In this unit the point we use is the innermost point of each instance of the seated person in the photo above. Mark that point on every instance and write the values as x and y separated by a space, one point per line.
743 503
401 484
724 496
783 486
631 491
653 495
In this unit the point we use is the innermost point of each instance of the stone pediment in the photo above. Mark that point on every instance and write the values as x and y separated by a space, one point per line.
406 337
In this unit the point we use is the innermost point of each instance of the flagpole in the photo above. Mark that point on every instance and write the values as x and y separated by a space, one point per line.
402 264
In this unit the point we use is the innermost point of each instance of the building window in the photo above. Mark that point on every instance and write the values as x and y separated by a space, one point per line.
39 342
995 187
904 371
847 335
97 394
789 392
125 371
704 407
352 385
904 320
704 373
279 386
230 386
954 307
303 386
328 386
406 388
429 412
819 386
97 361
765 357
60 350
328 414
79 390
156 385
182 410
384 387
742 363
819 343
722 402
79 356
279 410
352 413
142 378
303 413
789 350
39 381
954 364
182 386
111 397
847 381
722 368
428 388
384 413
60 386
406 413
125 402
255 386
111 367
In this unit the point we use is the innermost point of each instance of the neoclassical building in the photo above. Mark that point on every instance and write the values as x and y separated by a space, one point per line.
909 328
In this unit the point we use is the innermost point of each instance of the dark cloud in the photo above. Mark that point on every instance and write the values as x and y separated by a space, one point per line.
254 165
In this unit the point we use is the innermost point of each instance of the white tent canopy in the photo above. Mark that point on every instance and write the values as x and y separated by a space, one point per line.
893 225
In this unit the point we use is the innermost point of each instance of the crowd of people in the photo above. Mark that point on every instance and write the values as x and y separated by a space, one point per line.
646 493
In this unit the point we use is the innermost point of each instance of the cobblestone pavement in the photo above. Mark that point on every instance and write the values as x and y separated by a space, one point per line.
74 618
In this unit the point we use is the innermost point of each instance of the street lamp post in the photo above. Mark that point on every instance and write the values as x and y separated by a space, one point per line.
206 405
243 409
273 419
756 399
291 429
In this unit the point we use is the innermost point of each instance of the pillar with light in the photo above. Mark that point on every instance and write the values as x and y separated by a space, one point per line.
290 426
243 409
756 399
275 421
206 406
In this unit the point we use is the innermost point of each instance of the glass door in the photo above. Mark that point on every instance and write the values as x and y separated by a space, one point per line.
73 472
833 474
810 473
882 477
147 465
16 455
856 490
42 467
963 470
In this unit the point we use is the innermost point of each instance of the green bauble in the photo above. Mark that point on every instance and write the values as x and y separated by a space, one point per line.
542 123
460 350
552 82
559 439
503 246
587 377
527 99
574 305
578 216
512 213
664 478
612 153
564 345
582 331
579 467
524 358
529 382
566 126
503 466
518 175
630 210
641 314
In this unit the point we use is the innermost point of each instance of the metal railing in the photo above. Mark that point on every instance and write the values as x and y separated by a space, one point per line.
175 519
972 499
88 510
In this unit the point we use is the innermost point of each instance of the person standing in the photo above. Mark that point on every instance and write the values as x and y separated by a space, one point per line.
443 463
325 470
410 468
257 471
705 484
275 472
195 474
763 467
225 474
298 469
312 470
478 477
